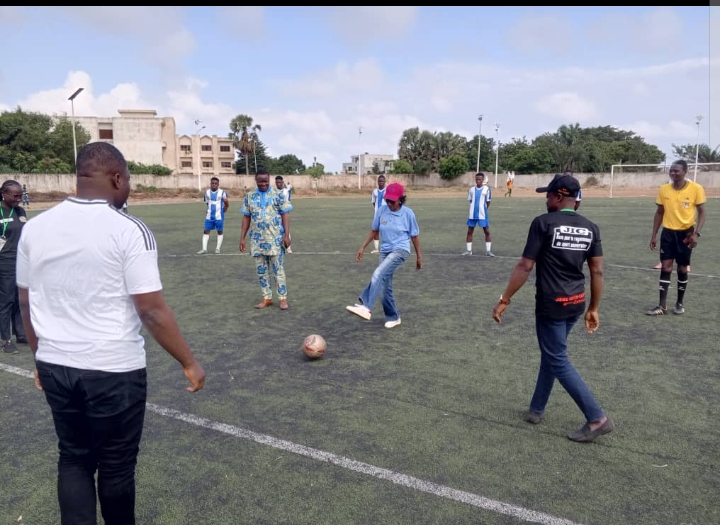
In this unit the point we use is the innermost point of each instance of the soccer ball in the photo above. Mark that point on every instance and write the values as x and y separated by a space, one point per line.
314 346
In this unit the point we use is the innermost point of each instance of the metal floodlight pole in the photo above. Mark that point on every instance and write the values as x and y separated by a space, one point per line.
197 134
697 146
72 109
477 166
497 151
359 162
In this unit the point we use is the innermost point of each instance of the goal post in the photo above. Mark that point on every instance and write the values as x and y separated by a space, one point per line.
658 169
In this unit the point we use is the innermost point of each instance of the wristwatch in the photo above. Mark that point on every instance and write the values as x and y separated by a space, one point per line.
504 301
698 234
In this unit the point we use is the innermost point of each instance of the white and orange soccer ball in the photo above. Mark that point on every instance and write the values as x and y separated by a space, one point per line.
314 346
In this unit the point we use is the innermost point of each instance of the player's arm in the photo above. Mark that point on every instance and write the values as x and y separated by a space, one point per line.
159 320
657 221
243 231
701 218
418 254
226 203
592 319
285 217
518 278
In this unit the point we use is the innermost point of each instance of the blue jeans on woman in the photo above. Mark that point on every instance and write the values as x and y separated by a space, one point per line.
381 282
552 337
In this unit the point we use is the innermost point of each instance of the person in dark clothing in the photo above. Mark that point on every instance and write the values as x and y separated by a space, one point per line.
560 242
12 220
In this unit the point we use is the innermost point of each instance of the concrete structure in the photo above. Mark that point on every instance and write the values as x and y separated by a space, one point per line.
138 133
367 161
205 155
145 138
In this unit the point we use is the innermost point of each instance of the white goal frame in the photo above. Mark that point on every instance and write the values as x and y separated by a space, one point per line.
664 167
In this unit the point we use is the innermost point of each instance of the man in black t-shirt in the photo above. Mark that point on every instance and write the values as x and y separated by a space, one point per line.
560 242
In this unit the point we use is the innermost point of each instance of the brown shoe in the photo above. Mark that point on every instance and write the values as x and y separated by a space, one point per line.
264 303
283 304
585 435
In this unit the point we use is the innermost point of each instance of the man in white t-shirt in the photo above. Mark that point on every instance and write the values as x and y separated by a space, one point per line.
83 300
286 190
377 199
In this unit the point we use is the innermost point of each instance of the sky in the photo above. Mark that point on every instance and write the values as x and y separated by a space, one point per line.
312 76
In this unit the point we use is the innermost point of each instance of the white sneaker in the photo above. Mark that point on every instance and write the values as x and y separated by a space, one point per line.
360 310
392 324
375 251
468 252
289 249
202 252
217 250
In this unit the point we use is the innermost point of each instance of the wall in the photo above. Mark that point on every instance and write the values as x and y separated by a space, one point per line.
44 183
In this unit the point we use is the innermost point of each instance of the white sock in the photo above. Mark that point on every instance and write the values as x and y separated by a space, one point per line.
487 246
468 246
219 242
206 238
377 244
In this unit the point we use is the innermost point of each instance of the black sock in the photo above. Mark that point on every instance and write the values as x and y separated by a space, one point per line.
664 286
682 285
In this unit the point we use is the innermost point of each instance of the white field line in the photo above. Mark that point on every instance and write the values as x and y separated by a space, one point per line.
397 478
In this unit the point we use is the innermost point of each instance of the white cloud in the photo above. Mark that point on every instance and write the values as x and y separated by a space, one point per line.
10 14
241 21
567 106
159 28
343 78
367 23
540 33
680 132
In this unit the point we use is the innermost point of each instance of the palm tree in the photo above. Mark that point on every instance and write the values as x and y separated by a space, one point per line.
244 135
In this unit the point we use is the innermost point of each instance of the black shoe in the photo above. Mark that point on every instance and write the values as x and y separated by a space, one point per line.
21 340
9 347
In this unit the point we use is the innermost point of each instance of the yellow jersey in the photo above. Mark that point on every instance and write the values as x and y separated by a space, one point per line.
680 204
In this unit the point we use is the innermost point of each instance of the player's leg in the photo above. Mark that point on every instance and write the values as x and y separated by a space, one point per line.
469 237
683 268
668 254
219 226
488 239
262 268
390 309
209 226
278 270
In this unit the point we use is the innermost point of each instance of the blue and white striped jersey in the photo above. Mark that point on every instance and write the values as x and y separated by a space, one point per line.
215 204
479 197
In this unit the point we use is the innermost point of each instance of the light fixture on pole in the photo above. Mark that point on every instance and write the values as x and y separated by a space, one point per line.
359 162
72 108
497 150
477 167
197 135
697 146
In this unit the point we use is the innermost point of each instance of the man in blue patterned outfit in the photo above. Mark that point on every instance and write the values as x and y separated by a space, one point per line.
266 216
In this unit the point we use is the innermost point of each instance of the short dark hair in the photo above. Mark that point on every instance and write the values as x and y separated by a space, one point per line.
278 177
262 171
99 156
682 164
480 174
214 178
381 176
7 185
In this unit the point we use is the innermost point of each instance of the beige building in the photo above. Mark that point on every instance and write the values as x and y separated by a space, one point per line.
145 138
367 161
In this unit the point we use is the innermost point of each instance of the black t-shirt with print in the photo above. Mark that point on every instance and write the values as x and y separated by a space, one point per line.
14 221
560 242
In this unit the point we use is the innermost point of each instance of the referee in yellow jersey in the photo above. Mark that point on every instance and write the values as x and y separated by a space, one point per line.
676 205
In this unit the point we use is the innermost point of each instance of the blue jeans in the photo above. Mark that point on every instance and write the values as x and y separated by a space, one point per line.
552 337
381 281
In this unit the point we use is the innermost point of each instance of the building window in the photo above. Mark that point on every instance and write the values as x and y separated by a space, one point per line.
226 165
185 148
105 134
206 148
186 164
207 164
225 149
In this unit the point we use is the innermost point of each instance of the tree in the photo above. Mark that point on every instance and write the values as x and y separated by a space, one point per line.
245 137
705 154
316 171
402 166
487 156
37 143
258 156
453 166
288 165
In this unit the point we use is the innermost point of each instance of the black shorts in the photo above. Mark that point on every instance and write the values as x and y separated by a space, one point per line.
672 246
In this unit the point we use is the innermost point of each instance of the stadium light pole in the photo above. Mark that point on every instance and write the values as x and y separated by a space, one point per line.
72 110
497 150
477 166
359 162
697 146
197 134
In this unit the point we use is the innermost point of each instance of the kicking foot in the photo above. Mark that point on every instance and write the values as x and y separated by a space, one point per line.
360 310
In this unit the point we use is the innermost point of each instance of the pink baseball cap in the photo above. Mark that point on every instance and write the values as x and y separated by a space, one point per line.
394 191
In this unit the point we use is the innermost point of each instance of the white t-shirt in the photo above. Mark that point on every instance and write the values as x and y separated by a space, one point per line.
81 261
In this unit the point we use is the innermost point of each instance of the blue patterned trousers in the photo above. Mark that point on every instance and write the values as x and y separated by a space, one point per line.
271 264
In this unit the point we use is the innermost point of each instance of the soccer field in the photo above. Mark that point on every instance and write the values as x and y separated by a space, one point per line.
421 424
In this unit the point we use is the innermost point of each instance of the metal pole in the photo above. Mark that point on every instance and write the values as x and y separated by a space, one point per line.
497 151
612 178
72 105
697 146
359 162
477 167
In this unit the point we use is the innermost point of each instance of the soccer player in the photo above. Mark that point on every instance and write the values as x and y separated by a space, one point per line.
217 204
378 199
509 185
479 197
25 197
286 190
676 205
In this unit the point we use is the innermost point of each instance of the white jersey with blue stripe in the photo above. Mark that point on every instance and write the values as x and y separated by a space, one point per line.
215 204
378 198
479 198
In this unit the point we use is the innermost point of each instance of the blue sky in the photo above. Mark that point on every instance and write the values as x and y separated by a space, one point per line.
312 75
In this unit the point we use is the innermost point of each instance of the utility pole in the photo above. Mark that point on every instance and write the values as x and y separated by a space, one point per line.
497 150
359 162
477 167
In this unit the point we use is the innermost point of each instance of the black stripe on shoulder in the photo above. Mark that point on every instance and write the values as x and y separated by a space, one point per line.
149 238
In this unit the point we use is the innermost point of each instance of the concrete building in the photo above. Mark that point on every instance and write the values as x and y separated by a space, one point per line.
145 138
205 155
138 133
368 161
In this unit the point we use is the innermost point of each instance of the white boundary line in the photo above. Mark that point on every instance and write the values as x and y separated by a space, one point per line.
397 478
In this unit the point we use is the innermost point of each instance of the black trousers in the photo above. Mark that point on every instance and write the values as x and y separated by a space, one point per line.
99 420
10 318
